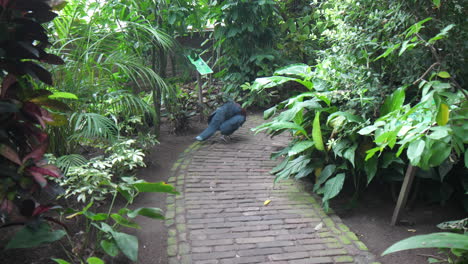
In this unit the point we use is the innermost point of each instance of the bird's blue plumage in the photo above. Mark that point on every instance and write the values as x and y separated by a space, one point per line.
227 118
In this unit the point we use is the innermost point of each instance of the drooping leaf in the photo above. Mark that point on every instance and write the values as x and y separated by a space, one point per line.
434 240
393 102
300 147
443 113
128 244
155 187
110 247
370 167
29 237
123 221
415 151
324 175
317 133
154 213
333 186
10 154
301 70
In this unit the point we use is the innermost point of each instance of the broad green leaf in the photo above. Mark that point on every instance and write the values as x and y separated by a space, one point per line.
110 247
333 186
434 240
155 187
349 117
94 260
154 213
393 102
367 130
300 147
317 133
123 221
415 150
128 244
443 113
302 70
350 153
63 95
443 74
324 175
269 82
29 237
436 3
440 151
370 167
439 132
269 112
95 217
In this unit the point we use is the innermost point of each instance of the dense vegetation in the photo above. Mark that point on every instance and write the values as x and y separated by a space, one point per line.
364 89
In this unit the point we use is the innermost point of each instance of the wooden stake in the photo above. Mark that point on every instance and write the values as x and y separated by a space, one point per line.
404 192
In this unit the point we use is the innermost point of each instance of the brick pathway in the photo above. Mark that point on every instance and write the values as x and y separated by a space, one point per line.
220 217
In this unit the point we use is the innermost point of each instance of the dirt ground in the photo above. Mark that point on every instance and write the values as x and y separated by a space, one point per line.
370 220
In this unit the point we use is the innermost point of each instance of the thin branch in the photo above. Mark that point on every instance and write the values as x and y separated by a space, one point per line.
426 72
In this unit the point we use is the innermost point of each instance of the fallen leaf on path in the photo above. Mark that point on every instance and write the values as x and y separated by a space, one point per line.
412 230
267 202
319 226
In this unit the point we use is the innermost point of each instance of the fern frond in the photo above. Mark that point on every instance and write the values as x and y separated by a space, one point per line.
67 161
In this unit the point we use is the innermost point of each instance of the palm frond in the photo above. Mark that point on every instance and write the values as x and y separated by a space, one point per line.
93 126
67 161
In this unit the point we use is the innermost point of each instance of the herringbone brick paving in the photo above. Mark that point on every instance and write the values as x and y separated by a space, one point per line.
220 217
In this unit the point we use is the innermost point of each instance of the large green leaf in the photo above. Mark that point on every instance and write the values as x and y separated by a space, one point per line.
124 221
324 175
302 70
154 213
443 113
370 167
317 133
155 187
63 95
333 186
393 102
128 244
415 151
29 237
300 147
110 247
434 240
349 117
94 260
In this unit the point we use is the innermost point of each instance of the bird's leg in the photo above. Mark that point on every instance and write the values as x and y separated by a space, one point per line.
223 137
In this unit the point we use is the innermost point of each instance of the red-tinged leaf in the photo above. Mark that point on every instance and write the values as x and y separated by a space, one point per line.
8 81
41 209
10 154
38 153
45 171
38 72
7 206
38 178
46 115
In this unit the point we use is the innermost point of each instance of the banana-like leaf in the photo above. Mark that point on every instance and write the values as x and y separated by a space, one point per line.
434 240
317 133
